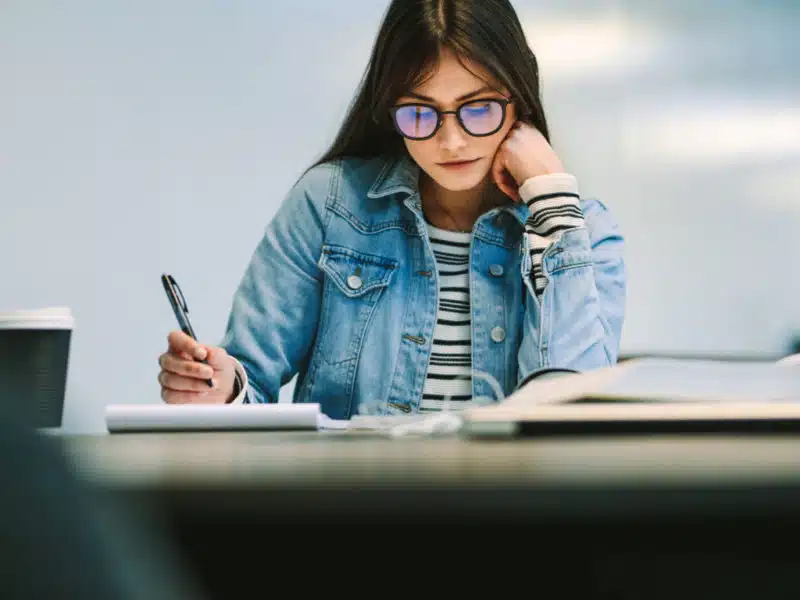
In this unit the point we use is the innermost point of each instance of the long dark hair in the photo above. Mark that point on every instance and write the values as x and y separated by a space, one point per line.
411 37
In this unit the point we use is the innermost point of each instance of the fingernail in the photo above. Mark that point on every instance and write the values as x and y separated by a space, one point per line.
213 383
200 353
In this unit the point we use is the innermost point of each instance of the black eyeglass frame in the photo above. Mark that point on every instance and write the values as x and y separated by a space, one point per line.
504 102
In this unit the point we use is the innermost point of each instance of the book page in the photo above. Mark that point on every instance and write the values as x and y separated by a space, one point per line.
653 380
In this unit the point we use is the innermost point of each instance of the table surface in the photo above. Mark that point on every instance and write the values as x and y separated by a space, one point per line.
651 503
288 458
558 477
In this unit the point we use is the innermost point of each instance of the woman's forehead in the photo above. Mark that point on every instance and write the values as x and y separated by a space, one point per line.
452 76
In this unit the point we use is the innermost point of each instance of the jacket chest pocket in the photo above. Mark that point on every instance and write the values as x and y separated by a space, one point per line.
354 282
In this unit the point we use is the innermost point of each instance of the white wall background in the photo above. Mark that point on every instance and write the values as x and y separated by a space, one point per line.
145 137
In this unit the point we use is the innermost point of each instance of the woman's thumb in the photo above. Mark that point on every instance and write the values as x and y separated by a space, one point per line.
217 358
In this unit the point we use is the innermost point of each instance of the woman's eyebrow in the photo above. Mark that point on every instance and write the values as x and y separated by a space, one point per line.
485 88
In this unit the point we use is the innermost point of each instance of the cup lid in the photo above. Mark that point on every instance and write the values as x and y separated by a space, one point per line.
57 317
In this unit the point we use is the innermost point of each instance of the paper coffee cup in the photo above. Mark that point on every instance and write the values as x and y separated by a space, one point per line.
34 361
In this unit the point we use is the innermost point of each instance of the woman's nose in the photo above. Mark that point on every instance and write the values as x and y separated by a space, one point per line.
451 135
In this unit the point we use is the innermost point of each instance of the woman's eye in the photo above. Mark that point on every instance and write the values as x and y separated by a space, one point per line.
478 108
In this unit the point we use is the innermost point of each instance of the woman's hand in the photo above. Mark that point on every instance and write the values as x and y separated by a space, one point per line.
183 379
525 153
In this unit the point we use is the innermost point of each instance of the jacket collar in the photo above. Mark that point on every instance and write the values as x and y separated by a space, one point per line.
399 174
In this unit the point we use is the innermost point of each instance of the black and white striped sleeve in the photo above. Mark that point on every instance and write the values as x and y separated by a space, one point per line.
554 204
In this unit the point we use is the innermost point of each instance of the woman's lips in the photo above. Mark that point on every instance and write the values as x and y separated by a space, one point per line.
461 164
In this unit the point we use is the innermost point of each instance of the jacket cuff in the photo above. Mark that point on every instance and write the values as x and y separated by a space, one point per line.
240 385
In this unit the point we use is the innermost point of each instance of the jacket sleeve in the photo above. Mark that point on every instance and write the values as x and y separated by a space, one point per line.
276 306
574 274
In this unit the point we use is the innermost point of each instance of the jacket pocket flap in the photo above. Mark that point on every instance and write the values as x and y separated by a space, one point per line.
356 273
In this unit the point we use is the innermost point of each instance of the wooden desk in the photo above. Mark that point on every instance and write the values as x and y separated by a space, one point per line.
630 514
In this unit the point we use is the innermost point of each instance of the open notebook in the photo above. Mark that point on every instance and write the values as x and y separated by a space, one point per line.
121 418
650 395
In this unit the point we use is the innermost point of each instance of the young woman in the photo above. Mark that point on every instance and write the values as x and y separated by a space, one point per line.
437 247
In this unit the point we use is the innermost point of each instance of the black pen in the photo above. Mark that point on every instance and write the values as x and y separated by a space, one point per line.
180 309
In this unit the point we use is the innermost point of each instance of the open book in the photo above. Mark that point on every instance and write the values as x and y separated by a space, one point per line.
651 395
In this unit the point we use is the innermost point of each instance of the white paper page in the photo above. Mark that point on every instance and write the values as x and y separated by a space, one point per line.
325 422
703 381
667 380
197 417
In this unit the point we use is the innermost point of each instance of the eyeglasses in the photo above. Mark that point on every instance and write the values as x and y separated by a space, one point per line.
478 118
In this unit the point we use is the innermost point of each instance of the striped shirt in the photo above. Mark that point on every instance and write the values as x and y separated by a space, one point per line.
449 375
554 206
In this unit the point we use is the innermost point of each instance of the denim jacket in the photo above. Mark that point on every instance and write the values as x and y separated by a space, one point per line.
342 292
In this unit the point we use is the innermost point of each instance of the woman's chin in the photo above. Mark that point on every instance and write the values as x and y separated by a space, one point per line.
458 182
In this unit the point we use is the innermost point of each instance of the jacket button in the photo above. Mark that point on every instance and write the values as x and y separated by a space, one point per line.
498 334
496 270
354 282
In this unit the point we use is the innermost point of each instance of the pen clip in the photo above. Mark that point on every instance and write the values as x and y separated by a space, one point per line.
179 294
